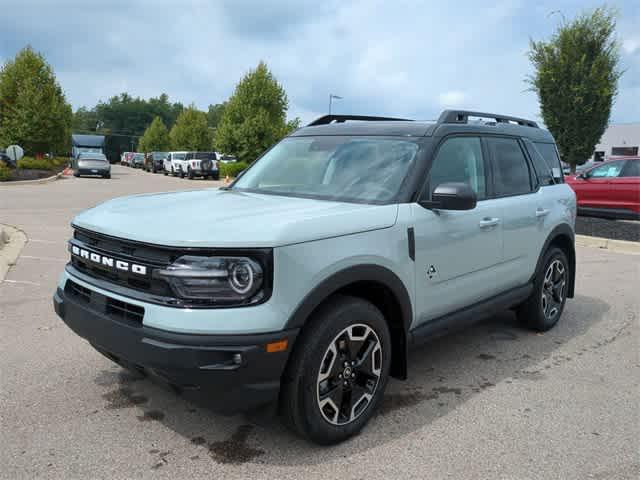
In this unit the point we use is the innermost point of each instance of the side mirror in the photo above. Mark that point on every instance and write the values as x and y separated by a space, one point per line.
452 196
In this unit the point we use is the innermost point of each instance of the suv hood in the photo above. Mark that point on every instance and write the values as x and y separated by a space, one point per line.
227 218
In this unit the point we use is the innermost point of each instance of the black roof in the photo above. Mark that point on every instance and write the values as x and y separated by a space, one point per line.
450 121
87 140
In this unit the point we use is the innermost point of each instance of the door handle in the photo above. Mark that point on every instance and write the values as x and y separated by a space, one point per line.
489 222
542 212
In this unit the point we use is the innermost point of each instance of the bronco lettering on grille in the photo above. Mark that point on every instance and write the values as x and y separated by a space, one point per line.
109 262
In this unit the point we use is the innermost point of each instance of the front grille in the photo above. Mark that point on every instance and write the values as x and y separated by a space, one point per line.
115 309
151 257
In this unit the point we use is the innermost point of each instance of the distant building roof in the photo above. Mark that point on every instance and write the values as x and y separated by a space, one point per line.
87 140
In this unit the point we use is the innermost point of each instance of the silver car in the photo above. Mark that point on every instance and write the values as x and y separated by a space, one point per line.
91 164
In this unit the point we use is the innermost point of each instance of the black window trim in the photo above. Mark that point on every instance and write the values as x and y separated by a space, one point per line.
532 174
488 173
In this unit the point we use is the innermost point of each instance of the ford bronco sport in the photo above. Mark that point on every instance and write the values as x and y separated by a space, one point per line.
308 278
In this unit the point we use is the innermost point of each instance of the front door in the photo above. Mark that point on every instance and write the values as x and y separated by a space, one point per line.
456 252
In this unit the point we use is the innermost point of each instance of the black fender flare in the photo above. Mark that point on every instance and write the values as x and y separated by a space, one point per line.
365 273
564 235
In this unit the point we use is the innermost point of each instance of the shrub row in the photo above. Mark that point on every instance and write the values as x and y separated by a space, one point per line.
5 172
231 169
30 163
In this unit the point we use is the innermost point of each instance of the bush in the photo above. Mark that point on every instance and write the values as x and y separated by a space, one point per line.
5 171
232 169
30 163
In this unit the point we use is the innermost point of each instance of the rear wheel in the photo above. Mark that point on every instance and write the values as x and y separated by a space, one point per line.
542 310
337 374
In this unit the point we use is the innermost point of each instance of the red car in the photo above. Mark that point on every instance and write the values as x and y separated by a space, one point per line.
610 189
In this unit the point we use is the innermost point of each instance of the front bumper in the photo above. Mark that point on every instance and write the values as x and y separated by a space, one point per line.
228 373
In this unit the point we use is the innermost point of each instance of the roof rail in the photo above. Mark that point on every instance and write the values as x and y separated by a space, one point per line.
326 119
462 116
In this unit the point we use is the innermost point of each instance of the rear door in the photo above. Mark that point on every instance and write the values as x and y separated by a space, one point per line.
625 188
456 252
524 206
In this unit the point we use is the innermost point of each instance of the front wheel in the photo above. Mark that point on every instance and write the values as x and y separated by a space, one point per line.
181 173
190 174
338 371
542 310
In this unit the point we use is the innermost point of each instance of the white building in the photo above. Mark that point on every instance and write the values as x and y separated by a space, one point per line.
620 139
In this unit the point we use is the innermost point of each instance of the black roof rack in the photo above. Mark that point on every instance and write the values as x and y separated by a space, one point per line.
327 119
462 116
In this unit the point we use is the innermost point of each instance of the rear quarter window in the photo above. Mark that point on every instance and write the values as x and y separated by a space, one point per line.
550 155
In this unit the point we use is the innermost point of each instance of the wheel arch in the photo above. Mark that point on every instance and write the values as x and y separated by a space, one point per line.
562 237
376 284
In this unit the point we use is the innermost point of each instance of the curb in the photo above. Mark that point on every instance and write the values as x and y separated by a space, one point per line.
619 246
11 248
34 182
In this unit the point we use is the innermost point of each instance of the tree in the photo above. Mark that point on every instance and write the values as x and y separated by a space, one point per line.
84 120
576 77
215 114
125 115
34 112
191 131
254 117
155 138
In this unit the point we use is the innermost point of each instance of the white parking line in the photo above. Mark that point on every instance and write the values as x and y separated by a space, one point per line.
35 240
51 259
24 282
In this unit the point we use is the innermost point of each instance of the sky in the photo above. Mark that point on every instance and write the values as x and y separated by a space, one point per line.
395 57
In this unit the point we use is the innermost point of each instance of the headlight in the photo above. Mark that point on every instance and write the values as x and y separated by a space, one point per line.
219 280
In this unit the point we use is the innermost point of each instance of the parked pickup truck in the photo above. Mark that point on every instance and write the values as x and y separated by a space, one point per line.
305 282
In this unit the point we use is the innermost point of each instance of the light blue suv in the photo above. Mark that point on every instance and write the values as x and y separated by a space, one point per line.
306 281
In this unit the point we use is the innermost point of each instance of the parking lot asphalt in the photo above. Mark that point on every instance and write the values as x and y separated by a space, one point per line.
492 402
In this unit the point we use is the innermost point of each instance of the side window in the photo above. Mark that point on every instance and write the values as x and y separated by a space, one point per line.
632 169
510 168
608 170
459 159
550 155
543 171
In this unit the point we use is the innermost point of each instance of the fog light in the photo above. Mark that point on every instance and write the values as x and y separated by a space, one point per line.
237 358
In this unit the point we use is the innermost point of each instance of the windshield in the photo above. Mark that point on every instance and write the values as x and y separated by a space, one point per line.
178 156
361 169
139 156
159 155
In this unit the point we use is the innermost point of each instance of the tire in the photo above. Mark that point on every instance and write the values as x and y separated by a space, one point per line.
542 310
314 364
107 175
165 173
216 176
181 173
190 174
173 172
76 174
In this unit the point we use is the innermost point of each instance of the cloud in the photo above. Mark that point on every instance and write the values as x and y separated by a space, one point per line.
452 98
404 58
631 45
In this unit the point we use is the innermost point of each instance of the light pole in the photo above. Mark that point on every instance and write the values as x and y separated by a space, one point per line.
331 97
